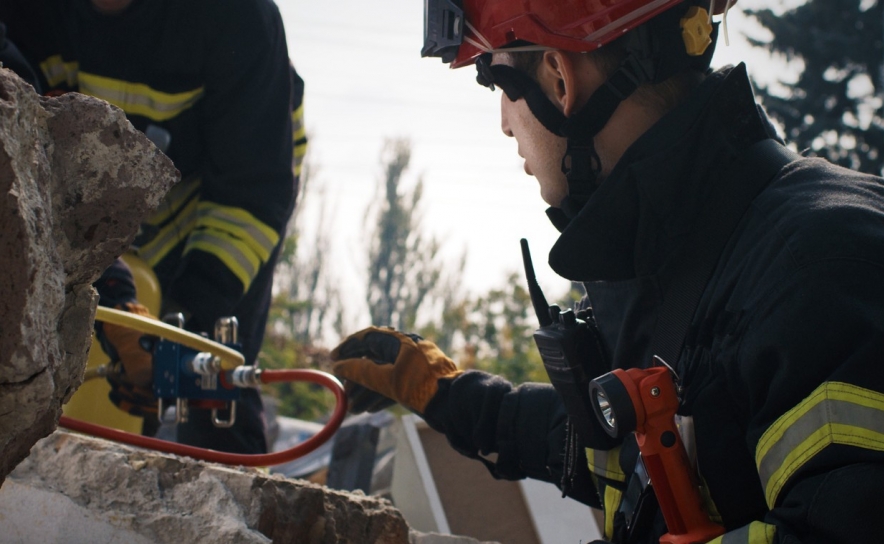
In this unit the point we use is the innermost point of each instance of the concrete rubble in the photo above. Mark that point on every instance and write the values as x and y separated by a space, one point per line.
77 179
74 488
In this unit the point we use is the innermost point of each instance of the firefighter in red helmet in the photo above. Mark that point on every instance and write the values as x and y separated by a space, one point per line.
703 242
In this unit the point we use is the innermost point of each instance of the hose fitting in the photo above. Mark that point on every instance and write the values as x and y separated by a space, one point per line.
205 364
245 376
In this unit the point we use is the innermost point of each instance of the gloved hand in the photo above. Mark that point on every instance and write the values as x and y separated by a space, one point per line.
131 370
382 366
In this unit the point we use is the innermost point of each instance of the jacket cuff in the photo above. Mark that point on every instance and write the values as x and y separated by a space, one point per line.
531 433
465 409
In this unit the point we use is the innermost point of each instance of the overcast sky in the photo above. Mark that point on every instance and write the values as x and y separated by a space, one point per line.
365 82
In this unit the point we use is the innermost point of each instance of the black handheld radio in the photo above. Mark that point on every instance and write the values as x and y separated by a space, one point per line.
572 355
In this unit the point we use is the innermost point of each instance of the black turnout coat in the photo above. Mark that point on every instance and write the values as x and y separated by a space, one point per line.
782 363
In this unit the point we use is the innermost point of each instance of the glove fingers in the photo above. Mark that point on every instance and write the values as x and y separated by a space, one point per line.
380 344
352 346
134 400
363 399
365 372
127 342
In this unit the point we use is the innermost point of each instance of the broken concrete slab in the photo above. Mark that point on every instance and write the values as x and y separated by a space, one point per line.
76 179
74 488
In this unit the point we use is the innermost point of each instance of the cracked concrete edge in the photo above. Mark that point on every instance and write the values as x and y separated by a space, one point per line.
169 499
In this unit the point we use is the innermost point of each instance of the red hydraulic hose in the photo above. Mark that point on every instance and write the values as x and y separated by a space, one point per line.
250 460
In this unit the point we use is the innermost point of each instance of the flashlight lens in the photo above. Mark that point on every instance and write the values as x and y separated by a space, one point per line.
605 408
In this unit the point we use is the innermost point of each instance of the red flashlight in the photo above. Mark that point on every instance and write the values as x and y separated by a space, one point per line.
644 401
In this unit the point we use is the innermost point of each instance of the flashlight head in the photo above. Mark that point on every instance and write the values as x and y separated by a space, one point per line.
612 405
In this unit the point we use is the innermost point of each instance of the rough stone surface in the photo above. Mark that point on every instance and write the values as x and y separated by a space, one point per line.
168 499
76 179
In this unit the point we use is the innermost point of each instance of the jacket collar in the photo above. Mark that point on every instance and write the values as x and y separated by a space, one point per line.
641 213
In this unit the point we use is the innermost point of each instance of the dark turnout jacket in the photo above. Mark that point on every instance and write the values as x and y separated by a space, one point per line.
782 362
210 82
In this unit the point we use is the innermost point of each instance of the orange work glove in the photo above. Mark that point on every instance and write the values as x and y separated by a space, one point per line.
131 370
382 366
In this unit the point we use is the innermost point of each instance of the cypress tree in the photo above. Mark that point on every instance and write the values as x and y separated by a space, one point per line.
834 109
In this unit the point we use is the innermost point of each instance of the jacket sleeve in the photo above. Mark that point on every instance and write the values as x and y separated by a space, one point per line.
524 426
248 185
11 57
809 370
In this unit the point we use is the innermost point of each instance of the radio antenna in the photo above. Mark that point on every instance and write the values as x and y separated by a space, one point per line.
541 308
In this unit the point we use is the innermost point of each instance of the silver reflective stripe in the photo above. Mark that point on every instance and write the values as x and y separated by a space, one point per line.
605 463
836 413
56 71
222 248
138 98
169 236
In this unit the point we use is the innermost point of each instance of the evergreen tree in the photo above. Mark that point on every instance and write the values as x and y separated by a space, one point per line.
834 108
403 261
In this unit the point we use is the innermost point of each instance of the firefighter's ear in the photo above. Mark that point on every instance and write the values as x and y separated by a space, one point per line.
568 79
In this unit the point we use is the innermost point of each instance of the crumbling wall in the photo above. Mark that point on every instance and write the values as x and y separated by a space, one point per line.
76 179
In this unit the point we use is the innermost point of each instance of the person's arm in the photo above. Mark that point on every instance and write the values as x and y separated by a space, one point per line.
247 183
480 414
809 370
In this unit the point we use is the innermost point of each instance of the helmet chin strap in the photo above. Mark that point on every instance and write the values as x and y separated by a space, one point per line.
580 164
655 51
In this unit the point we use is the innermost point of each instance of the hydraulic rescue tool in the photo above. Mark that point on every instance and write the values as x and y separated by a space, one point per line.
197 372
645 401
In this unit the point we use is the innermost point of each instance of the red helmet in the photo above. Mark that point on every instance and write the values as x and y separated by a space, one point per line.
460 31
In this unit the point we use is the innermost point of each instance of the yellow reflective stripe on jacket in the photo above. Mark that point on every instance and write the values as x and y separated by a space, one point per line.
605 463
174 200
613 496
754 533
239 224
299 131
138 98
233 253
235 237
836 413
299 141
170 235
57 71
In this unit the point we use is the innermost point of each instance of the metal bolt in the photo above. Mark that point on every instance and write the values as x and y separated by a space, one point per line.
655 391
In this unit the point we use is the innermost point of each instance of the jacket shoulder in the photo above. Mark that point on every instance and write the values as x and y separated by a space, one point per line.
821 211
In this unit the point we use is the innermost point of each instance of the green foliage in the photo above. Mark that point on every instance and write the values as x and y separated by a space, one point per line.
304 300
403 267
494 332
834 108
301 400
499 335
490 332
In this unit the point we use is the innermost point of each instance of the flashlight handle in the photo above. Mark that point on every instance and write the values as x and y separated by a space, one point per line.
667 463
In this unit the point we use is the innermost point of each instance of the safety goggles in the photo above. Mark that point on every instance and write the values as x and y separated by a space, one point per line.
443 29
514 83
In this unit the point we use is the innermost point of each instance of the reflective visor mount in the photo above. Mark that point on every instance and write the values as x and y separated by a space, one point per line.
443 29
